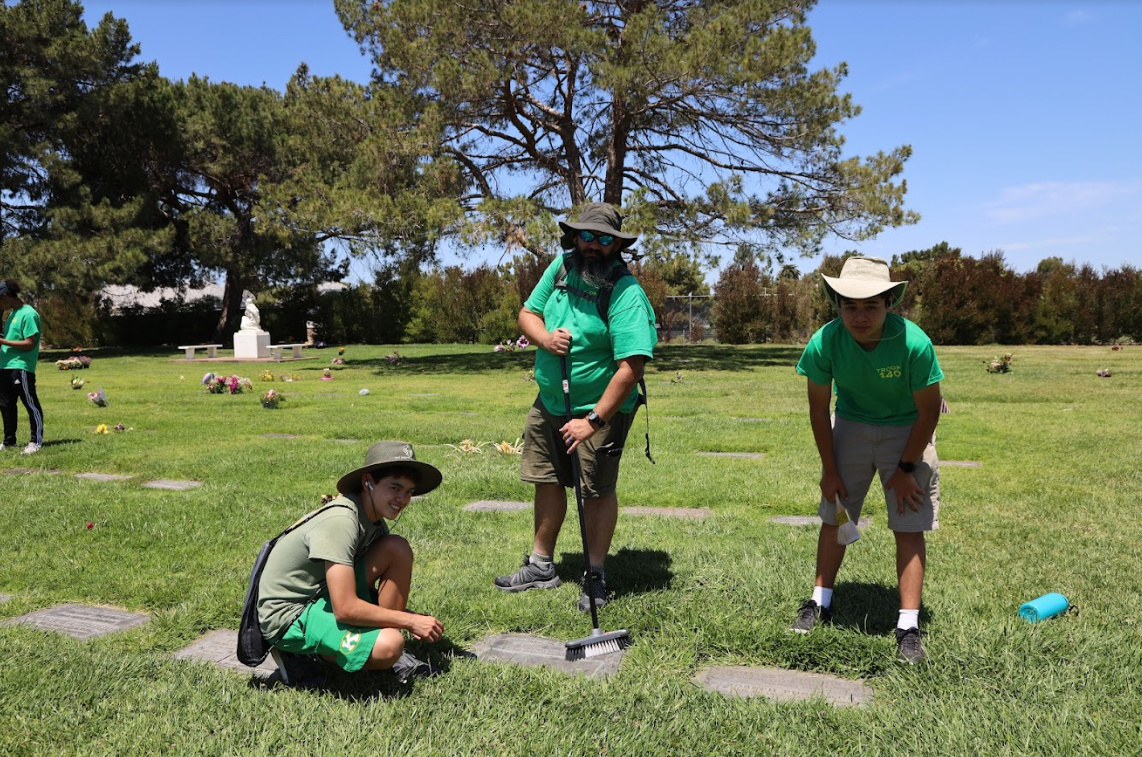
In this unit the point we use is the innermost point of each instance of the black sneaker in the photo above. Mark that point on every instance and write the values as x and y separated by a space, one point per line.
908 646
408 667
809 615
530 576
304 671
600 585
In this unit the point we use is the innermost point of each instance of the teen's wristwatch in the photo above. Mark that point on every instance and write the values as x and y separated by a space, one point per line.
906 467
595 420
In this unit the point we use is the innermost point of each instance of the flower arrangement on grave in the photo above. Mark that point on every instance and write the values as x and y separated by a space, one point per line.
338 361
467 446
77 383
272 398
509 346
74 363
1000 364
121 427
510 448
319 345
101 429
394 358
1103 373
326 375
340 350
267 375
678 378
228 384
529 376
288 377
99 397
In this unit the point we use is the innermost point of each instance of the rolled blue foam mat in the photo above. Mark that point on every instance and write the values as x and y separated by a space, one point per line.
1046 606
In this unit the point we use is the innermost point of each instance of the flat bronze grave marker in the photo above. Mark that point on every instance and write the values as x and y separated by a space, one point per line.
171 484
744 455
219 649
80 621
810 520
754 420
962 463
22 471
103 476
537 652
492 506
347 441
693 513
279 436
783 685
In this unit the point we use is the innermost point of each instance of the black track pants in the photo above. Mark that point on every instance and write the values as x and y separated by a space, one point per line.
16 382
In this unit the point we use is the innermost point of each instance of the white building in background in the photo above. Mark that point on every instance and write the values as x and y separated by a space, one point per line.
123 297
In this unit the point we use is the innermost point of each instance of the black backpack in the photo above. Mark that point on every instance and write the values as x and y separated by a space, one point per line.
253 647
602 300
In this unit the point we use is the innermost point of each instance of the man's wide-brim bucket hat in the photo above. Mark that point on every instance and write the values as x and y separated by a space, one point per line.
600 218
862 278
384 455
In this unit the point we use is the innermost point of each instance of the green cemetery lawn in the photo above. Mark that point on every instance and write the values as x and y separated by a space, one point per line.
1054 507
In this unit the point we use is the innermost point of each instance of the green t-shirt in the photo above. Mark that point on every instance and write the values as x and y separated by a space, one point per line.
295 568
873 387
595 348
22 323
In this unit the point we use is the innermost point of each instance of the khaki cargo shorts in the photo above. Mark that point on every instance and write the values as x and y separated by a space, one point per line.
545 458
862 450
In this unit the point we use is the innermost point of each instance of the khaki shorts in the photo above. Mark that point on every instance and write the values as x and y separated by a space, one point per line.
545 458
862 450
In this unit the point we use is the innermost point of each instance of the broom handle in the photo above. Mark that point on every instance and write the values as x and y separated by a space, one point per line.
579 499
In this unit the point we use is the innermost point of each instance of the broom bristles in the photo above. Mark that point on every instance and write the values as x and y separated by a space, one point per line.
597 645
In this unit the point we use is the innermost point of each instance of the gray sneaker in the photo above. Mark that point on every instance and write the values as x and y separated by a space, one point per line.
304 671
809 615
599 584
530 576
908 646
408 667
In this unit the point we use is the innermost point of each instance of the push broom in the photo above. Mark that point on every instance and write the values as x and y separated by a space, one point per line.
598 643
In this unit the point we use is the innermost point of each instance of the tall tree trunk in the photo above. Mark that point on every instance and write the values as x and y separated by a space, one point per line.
231 306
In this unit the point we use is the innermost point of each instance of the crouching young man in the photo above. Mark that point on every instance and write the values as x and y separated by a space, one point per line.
336 587
888 404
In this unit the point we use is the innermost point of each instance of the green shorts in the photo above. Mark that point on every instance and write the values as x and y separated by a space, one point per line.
316 631
862 451
545 458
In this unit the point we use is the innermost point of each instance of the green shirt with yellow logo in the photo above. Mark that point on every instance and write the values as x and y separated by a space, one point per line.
595 348
22 323
873 387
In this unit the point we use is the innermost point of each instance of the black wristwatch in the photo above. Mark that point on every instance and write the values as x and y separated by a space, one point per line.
595 419
906 467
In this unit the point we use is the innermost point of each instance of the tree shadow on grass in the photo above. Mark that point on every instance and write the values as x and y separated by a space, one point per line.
694 357
629 571
869 608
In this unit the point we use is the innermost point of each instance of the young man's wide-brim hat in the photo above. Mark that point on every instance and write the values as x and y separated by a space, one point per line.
862 278
600 218
384 455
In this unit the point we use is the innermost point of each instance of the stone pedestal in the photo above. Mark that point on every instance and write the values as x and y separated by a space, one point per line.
251 344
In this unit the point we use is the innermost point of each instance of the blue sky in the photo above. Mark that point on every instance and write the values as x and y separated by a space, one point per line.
1022 114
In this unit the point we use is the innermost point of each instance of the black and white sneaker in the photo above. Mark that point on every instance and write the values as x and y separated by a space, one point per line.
908 646
530 576
809 616
408 667
599 584
304 671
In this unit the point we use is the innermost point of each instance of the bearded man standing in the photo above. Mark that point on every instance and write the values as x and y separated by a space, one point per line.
606 347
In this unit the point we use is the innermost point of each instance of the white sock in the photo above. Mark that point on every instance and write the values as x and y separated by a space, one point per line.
908 619
538 559
822 596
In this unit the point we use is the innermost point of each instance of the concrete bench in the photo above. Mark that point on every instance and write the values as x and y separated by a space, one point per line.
211 349
276 350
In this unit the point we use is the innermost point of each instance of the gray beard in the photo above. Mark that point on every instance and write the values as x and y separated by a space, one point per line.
592 270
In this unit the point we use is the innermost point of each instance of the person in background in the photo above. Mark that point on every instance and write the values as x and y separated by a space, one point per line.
19 354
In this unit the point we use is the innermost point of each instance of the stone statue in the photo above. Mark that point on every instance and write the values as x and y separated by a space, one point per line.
251 319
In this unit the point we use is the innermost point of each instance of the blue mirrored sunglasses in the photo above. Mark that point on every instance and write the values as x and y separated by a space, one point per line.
590 236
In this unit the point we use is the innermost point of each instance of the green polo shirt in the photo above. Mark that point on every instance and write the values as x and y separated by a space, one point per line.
22 323
595 347
295 568
873 387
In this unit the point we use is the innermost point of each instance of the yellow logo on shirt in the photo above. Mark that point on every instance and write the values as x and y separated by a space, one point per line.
890 371
350 641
